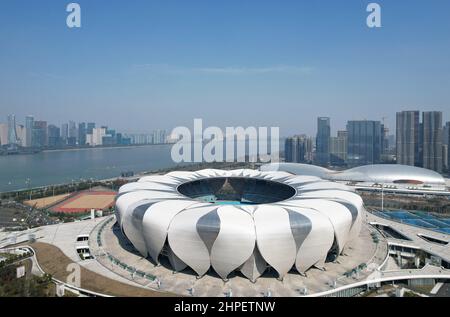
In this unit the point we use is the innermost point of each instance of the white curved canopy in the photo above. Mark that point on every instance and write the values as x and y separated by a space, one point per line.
297 232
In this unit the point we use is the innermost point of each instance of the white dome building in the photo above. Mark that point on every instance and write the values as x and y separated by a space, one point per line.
241 220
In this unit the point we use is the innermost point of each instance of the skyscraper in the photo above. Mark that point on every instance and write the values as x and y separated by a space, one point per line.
432 140
3 133
445 153
72 139
72 129
40 136
64 133
384 140
90 127
158 137
295 149
447 143
21 134
82 133
338 148
12 132
54 136
323 141
446 136
408 138
29 122
364 142
97 136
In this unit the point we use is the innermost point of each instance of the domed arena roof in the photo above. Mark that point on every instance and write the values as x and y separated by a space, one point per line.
240 220
389 173
380 173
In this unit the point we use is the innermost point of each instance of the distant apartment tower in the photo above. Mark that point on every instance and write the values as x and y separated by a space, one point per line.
96 138
82 134
338 149
445 157
408 138
12 132
310 143
432 140
40 135
72 129
295 149
54 136
384 139
159 137
64 133
3 133
72 139
21 134
323 141
110 137
364 142
29 123
446 135
446 140
90 127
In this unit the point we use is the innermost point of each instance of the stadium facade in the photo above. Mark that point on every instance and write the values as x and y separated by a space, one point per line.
243 221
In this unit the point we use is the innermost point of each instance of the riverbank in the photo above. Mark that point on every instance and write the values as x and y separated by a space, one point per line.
113 183
102 147
31 151
69 166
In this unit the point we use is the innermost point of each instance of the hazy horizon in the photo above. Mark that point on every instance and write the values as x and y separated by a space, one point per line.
142 65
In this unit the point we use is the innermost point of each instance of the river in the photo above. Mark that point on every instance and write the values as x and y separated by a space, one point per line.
65 166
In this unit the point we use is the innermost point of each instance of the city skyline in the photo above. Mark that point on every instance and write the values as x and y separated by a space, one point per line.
39 134
414 142
224 62
334 128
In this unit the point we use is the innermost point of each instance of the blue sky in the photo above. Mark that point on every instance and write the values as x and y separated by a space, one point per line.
137 65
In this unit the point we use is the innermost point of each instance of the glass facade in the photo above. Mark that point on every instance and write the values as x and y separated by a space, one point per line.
364 142
323 141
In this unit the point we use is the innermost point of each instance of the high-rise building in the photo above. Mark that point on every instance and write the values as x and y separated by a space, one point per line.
40 136
310 149
364 142
72 139
21 134
110 137
72 129
392 144
90 127
295 149
446 135
338 149
408 138
29 123
111 132
82 134
119 138
432 140
12 132
54 136
384 139
96 138
445 157
323 141
3 133
64 133
446 141
158 137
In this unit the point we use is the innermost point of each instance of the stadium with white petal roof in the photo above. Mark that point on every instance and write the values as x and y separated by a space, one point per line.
241 221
